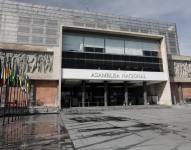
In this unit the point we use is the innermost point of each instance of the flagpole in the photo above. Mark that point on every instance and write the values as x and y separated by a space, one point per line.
4 86
13 104
9 102
19 101
9 90
17 97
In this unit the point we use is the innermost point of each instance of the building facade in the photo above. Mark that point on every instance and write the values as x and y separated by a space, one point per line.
82 59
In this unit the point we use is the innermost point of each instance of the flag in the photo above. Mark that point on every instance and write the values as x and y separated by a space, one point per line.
4 73
12 75
8 73
17 75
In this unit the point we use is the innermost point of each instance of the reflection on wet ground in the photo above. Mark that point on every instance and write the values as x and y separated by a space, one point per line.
36 132
108 130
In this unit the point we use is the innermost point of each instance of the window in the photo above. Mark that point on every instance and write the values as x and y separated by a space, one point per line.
88 49
91 41
150 53
72 42
150 45
133 47
93 49
114 46
99 50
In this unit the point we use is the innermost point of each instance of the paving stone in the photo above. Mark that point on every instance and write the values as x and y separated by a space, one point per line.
137 129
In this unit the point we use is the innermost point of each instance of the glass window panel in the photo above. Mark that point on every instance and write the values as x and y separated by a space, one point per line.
88 49
94 42
99 50
114 46
72 42
133 47
151 46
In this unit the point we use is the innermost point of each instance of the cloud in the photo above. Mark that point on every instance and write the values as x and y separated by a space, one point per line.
177 11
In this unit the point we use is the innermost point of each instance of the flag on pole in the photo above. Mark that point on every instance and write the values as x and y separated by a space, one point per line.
4 73
8 73
13 75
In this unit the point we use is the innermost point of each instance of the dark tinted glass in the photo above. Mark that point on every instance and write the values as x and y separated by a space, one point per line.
99 50
88 60
88 49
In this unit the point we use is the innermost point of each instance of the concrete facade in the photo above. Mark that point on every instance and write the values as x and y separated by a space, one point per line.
180 70
36 32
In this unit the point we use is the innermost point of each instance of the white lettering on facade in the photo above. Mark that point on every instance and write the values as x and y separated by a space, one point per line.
118 76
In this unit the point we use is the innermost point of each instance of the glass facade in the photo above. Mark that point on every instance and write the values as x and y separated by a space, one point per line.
73 42
109 44
107 52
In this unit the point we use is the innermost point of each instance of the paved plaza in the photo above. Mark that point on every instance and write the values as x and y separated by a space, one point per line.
135 129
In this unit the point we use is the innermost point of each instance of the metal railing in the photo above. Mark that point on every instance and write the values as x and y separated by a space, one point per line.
14 103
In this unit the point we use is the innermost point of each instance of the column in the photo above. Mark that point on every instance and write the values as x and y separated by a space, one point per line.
180 93
145 92
126 93
83 93
105 93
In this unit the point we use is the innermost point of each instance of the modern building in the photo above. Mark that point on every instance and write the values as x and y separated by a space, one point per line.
83 59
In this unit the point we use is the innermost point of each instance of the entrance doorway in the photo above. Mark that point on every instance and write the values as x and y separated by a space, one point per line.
91 94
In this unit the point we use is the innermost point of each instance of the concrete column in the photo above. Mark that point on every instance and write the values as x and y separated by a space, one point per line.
105 93
126 93
83 93
145 92
180 93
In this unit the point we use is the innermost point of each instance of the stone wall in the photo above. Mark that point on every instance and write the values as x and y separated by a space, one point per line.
42 64
180 75
37 62
180 68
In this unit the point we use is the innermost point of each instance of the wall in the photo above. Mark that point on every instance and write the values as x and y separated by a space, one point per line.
180 68
175 93
186 89
41 65
46 92
165 97
39 25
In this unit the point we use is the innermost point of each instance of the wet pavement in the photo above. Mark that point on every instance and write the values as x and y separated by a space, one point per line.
135 129
145 129
36 132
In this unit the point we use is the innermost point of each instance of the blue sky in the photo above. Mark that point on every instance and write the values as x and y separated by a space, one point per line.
177 11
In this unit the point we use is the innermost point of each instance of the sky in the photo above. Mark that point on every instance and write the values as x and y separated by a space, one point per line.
175 11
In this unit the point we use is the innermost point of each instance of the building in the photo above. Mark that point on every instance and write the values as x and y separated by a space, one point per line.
76 58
